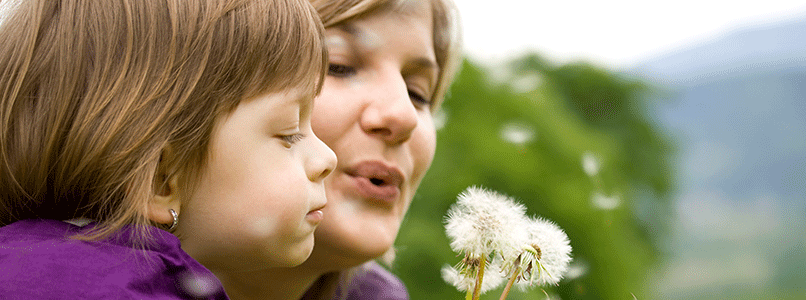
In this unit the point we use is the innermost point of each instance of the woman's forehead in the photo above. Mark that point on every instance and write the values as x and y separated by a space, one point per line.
407 8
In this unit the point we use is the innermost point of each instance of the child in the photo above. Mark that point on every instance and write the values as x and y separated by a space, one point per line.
192 116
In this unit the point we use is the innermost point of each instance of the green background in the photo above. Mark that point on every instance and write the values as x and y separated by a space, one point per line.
568 111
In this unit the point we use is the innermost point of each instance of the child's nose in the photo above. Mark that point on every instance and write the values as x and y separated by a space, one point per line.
321 160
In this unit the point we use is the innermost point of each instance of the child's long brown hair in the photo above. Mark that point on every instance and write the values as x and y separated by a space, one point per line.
92 93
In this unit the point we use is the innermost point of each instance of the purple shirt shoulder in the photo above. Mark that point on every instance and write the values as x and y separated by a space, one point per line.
376 283
39 260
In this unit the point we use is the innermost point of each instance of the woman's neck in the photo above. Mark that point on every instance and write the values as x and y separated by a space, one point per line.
274 283
285 283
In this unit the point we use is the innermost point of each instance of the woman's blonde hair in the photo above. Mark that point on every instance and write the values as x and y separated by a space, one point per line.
447 49
93 92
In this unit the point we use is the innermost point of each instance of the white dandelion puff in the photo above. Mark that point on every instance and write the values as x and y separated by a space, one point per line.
549 261
464 282
483 222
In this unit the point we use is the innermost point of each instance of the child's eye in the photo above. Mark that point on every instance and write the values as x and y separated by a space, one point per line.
418 99
337 70
292 139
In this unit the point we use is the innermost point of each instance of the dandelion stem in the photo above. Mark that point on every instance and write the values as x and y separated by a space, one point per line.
482 264
509 285
469 295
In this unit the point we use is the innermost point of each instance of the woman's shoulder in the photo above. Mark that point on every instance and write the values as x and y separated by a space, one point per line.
38 259
375 282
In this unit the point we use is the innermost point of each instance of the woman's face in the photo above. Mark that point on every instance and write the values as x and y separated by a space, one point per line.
374 113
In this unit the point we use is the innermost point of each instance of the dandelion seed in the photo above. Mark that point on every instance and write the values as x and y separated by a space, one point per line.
198 285
517 134
335 41
499 76
526 83
369 40
440 118
603 202
576 270
482 222
590 164
551 254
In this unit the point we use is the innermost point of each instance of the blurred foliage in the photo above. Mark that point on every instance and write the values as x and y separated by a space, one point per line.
567 111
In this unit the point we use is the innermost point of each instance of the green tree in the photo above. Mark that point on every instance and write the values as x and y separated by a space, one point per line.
525 134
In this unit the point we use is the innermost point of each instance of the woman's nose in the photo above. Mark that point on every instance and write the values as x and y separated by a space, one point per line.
390 115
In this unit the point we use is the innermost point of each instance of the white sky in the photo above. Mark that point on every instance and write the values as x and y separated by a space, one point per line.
609 33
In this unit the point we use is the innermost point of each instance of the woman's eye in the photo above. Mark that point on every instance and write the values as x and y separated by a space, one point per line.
418 99
337 70
293 138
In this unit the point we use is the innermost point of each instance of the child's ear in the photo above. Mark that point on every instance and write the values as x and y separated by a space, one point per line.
166 191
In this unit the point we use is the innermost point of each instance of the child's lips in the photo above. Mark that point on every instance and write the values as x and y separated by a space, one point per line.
316 215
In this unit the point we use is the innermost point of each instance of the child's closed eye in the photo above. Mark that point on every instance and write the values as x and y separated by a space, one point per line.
291 138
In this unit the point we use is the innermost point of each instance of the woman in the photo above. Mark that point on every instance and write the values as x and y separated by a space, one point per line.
390 64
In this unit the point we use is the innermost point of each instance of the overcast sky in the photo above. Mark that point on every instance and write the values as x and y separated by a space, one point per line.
610 33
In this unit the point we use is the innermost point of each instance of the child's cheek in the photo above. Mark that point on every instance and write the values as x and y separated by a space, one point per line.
264 226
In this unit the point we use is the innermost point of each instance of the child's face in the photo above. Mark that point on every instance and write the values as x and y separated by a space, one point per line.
259 196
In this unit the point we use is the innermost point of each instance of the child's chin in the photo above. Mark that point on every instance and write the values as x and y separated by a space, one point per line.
299 253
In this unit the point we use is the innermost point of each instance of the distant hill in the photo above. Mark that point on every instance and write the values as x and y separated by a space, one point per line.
742 95
775 47
738 105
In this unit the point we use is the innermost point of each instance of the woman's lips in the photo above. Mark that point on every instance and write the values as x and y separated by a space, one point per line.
377 181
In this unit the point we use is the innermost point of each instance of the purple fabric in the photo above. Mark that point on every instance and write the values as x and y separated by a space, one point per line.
376 283
38 260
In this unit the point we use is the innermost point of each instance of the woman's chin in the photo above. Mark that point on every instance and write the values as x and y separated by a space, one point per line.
348 252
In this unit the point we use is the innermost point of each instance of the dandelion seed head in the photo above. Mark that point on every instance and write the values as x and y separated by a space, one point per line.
463 282
482 222
552 255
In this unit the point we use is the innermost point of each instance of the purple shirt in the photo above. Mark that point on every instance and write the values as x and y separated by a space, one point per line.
38 260
375 283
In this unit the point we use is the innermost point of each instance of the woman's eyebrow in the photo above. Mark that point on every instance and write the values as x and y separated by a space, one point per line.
423 63
355 33
350 30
